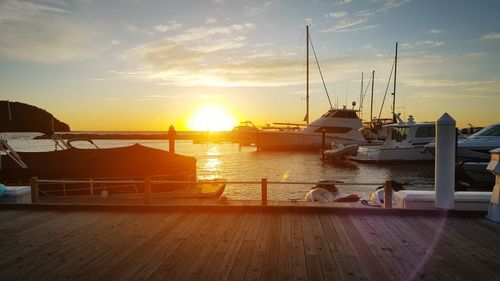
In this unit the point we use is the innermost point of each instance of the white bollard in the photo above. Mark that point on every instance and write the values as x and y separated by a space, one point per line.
445 162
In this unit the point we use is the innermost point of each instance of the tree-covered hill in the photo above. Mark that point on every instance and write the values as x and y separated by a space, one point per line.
22 117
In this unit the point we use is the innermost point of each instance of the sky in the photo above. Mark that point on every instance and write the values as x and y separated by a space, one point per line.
146 65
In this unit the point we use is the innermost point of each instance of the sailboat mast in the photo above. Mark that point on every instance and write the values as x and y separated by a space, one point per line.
371 101
307 75
361 98
394 93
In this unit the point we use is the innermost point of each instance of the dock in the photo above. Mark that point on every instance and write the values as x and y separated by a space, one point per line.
246 242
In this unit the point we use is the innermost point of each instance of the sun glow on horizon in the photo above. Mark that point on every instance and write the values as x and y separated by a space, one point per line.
211 118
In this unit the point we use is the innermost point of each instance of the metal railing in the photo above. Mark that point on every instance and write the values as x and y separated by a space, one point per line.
148 182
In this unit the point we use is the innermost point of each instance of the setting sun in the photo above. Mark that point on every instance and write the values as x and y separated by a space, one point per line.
211 118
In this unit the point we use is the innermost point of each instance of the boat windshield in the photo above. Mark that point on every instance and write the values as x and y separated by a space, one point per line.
490 131
341 114
399 134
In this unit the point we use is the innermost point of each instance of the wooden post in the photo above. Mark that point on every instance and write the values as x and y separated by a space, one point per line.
91 187
171 139
147 191
387 194
34 190
264 191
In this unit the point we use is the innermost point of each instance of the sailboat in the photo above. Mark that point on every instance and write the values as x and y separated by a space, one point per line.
339 125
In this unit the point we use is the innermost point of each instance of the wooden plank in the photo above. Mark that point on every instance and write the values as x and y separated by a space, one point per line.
401 243
340 257
285 248
216 234
330 269
255 265
60 248
427 264
315 270
214 262
430 234
366 259
384 253
106 248
227 263
32 253
299 264
245 253
174 236
177 264
467 259
270 266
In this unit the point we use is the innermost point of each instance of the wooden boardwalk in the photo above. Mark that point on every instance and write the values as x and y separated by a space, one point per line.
268 244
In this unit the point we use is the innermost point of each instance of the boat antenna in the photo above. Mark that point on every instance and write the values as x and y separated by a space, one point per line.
371 103
307 76
394 93
321 73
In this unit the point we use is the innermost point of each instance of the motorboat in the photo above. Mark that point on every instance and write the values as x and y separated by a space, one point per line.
405 142
476 147
131 163
336 125
478 173
340 151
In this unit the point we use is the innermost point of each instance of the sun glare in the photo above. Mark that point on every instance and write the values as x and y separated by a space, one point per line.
211 118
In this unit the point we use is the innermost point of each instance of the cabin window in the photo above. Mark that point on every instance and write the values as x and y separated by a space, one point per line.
425 132
333 130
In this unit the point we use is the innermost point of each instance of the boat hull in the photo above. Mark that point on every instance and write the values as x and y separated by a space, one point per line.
414 154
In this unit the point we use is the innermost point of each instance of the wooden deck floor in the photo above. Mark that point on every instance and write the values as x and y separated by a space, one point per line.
239 245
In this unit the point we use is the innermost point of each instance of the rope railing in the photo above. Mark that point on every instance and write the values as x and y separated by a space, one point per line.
147 183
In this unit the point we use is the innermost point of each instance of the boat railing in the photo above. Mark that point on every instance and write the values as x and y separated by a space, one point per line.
147 183
94 186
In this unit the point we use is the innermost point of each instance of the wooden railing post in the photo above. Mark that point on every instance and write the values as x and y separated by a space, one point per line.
171 139
147 191
91 187
264 191
387 194
34 189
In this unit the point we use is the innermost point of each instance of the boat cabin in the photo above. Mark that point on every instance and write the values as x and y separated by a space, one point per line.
410 134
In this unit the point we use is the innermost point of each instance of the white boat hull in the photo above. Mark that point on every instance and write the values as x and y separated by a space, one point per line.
296 141
382 154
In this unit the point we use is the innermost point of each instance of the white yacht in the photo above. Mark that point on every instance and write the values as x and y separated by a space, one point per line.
405 142
339 126
476 147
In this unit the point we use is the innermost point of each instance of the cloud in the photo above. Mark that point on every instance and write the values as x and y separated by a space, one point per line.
43 33
436 31
115 42
343 24
171 25
338 14
208 56
491 36
210 20
260 9
423 44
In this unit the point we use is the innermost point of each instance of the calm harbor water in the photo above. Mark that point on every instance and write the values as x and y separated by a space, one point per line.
229 161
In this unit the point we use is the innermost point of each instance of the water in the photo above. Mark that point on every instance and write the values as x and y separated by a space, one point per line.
233 163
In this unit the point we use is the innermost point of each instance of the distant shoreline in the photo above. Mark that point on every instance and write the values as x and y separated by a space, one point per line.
219 136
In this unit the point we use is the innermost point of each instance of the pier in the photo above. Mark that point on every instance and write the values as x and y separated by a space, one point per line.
58 241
